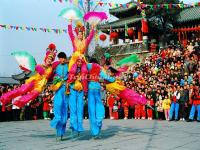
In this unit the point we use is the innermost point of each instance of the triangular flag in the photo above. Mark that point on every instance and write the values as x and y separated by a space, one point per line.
101 3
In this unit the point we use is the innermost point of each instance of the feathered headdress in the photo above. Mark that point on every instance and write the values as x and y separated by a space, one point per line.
51 52
79 28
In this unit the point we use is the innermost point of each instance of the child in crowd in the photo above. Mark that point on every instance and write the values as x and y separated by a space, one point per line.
166 106
126 107
159 109
149 110
115 110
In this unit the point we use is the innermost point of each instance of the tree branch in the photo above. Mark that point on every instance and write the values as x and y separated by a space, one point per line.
96 5
84 11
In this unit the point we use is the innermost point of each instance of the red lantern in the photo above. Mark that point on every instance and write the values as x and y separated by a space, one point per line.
102 37
114 35
130 32
145 28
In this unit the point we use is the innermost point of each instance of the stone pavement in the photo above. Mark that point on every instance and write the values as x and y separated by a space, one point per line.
116 135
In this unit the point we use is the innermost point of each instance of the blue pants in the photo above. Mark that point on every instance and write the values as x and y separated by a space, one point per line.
193 110
174 107
60 111
76 105
96 111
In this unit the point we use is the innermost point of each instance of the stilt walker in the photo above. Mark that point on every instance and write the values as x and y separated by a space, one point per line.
60 99
95 106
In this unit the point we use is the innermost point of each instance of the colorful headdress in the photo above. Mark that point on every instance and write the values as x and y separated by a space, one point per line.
51 52
76 56
79 28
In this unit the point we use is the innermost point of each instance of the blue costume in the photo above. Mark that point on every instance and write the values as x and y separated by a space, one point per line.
95 106
60 101
76 102
175 106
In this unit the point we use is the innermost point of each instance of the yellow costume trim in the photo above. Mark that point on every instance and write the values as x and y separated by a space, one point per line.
78 86
74 58
40 80
55 87
80 45
115 87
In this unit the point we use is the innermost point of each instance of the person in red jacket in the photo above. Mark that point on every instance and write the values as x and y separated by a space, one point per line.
125 105
149 110
110 102
115 109
46 107
195 101
143 108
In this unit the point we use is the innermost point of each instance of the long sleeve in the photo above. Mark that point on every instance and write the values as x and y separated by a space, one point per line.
90 37
106 77
39 69
71 35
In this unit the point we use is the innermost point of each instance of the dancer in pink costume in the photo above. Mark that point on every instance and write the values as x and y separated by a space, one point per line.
35 84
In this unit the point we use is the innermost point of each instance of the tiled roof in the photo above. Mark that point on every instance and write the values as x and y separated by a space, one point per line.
189 14
121 22
122 9
8 80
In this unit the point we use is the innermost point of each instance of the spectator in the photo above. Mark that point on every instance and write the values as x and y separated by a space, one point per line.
166 106
175 104
195 100
149 110
159 109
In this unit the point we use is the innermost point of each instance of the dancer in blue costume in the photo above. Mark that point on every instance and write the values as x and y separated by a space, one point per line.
60 99
77 83
95 106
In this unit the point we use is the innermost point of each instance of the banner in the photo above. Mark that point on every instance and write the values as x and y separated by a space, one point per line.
32 29
129 5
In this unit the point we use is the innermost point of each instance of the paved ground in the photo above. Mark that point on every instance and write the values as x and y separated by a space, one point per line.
116 135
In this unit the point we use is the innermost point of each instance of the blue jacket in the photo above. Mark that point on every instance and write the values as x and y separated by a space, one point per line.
62 71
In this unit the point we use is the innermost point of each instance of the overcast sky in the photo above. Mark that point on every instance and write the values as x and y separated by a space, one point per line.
36 13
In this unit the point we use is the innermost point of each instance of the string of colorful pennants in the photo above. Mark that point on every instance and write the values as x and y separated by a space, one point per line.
32 29
129 5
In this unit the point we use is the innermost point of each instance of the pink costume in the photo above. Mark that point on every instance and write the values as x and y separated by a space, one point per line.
33 86
79 46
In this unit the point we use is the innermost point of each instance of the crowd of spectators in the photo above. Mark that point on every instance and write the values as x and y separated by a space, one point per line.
169 79
41 108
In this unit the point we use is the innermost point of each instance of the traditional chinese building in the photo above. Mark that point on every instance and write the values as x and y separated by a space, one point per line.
187 26
126 36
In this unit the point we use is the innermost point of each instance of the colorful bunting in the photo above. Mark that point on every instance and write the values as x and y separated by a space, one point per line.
129 5
33 29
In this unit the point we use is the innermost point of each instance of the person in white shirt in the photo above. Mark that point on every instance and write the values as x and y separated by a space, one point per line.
174 104
16 110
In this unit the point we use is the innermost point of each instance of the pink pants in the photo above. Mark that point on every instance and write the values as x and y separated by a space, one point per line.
110 112
166 114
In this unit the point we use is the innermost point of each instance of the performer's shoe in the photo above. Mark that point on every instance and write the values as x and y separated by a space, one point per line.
61 138
78 134
189 120
98 136
72 134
